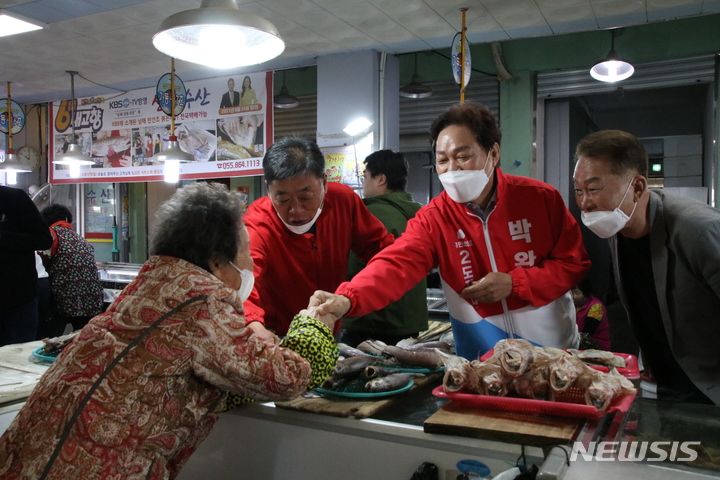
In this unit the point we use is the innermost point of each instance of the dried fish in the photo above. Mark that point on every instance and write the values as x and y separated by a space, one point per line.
565 371
534 383
53 346
347 351
459 374
389 383
333 382
516 355
352 365
599 357
539 373
371 346
375 371
421 357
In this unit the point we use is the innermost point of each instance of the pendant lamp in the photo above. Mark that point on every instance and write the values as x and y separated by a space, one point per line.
173 156
11 166
415 89
612 69
73 156
219 35
284 99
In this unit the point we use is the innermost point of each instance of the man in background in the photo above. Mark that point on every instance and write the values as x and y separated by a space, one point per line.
22 232
302 233
384 182
666 259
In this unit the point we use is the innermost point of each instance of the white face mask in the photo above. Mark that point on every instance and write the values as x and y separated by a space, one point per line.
464 186
300 229
248 281
605 224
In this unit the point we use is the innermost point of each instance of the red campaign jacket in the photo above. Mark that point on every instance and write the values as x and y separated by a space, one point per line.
290 267
447 235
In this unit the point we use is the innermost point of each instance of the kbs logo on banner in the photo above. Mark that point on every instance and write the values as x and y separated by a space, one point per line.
635 451
86 117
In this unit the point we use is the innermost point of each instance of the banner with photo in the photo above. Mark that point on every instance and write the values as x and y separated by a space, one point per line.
226 125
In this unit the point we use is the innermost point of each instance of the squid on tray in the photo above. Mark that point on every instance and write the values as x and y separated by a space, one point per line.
539 373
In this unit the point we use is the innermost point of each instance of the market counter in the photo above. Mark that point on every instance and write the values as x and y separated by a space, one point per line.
261 441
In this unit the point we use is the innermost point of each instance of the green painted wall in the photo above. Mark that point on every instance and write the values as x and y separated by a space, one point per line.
525 57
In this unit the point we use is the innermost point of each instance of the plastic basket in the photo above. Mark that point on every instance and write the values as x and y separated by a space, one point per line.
568 404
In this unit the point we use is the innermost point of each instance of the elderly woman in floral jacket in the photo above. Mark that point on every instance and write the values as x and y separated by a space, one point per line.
161 399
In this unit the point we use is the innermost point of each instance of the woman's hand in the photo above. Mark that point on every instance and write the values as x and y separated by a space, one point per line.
264 334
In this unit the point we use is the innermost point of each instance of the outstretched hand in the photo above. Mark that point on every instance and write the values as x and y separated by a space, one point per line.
328 318
329 303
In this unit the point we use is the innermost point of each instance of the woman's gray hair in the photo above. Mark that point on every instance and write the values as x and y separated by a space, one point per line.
199 222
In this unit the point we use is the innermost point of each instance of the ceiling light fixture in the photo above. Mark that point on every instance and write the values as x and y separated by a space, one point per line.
612 69
415 89
173 155
357 126
12 23
219 35
284 99
11 166
73 156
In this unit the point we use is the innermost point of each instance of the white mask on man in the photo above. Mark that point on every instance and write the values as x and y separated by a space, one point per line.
248 281
605 224
300 229
464 186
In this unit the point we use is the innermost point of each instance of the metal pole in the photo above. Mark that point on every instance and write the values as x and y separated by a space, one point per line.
10 120
462 56
172 96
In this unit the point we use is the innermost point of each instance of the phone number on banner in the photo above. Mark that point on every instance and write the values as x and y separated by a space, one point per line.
235 164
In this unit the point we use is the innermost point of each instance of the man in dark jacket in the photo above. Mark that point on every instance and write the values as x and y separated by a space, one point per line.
22 231
666 260
384 183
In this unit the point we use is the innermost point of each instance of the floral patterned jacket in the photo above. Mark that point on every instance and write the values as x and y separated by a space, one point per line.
156 406
74 282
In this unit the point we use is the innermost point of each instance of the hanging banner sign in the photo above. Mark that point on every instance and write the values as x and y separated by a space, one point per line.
18 117
226 124
165 100
455 62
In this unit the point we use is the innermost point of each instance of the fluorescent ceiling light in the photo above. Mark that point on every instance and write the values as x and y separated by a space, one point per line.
357 126
11 24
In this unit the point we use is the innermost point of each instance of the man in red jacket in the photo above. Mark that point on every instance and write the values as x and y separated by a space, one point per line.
302 233
507 248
